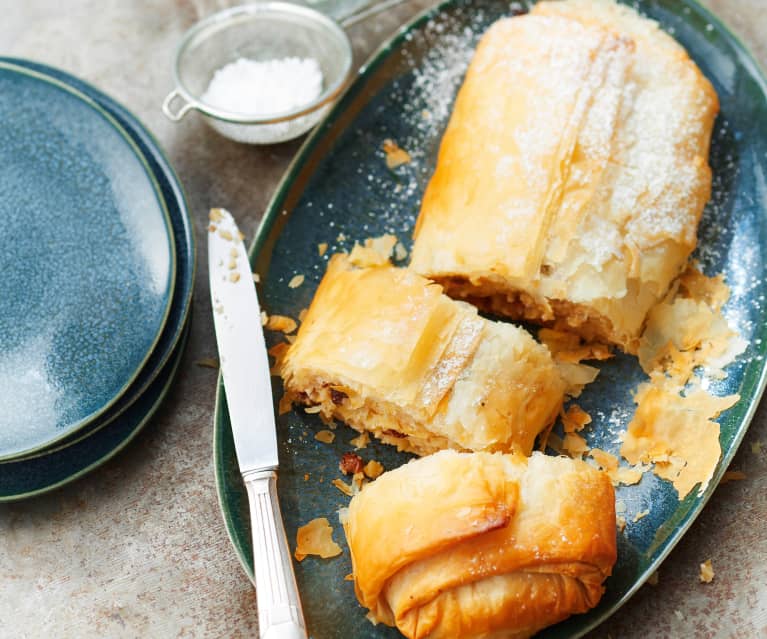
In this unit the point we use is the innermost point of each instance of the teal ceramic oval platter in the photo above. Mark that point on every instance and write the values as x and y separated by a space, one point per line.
88 261
339 190
103 437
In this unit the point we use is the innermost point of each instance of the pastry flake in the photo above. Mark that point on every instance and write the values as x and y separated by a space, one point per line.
676 433
316 538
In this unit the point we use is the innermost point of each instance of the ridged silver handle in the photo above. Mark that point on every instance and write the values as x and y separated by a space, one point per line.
279 606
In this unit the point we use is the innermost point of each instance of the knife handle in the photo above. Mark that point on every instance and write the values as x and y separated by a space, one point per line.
279 606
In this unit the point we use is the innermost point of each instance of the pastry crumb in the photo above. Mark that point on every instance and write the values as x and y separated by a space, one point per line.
325 436
223 233
400 252
732 475
316 538
606 461
375 251
302 314
371 618
620 522
576 376
296 281
574 445
256 277
264 318
349 577
575 418
343 487
706 572
373 469
630 476
278 351
395 155
322 248
641 515
215 215
358 482
281 323
360 441
610 465
234 277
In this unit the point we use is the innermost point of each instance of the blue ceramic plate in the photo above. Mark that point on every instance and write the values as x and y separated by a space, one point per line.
339 189
21 479
183 241
88 260
104 437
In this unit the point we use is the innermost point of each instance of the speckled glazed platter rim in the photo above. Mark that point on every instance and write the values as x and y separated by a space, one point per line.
123 430
227 478
62 84
184 242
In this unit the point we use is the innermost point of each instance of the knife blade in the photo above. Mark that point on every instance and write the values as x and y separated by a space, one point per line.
241 346
248 390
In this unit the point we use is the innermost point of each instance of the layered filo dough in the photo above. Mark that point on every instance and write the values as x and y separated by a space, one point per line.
385 351
573 171
482 545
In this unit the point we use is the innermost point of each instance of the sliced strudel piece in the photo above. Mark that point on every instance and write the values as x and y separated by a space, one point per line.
479 545
382 349
573 172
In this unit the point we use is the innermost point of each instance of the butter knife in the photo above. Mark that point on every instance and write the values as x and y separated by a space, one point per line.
245 368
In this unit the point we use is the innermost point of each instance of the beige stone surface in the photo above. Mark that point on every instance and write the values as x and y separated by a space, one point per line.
138 548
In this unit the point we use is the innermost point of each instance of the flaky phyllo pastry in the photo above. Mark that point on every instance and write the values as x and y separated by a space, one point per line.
482 545
573 172
385 351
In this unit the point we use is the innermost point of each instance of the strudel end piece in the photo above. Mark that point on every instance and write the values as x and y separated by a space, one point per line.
382 349
479 545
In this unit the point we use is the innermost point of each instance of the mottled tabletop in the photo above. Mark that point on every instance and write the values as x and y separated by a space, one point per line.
138 548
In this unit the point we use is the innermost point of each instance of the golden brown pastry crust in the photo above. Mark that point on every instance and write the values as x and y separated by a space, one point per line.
573 172
461 545
383 349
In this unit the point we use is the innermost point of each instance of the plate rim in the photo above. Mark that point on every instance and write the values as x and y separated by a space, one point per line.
272 215
92 104
174 364
185 278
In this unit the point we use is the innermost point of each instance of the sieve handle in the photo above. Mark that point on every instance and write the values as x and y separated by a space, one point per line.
167 106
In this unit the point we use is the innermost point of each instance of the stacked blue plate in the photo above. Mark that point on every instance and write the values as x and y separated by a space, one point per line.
97 273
